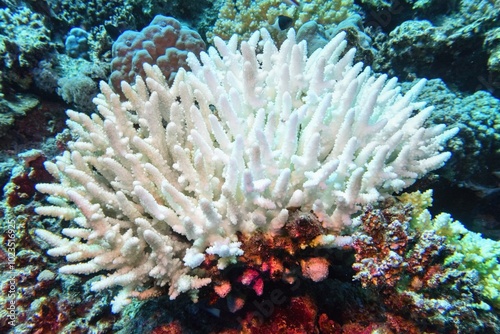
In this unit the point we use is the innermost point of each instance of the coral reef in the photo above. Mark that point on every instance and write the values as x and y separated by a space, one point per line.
419 270
277 230
468 184
199 15
269 258
78 91
14 108
22 184
90 14
164 42
299 316
438 38
36 130
102 20
29 50
426 290
154 202
317 36
44 302
24 38
75 81
93 13
471 252
476 148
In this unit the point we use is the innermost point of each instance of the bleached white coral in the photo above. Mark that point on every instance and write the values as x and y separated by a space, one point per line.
173 173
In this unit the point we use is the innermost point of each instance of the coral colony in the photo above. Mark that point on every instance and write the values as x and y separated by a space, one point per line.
236 167
173 184
164 42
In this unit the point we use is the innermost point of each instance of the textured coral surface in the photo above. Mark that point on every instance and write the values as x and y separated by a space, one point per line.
164 42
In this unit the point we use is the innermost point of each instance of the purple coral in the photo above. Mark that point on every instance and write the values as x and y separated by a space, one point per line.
165 42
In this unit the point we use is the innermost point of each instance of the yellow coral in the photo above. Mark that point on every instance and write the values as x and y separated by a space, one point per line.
472 251
418 200
243 17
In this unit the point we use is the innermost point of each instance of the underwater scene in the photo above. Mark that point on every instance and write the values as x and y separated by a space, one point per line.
257 167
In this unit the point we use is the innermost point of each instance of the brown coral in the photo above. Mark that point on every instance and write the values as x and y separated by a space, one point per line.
381 247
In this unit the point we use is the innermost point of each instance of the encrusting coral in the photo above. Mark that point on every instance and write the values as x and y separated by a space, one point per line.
472 252
430 270
174 175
